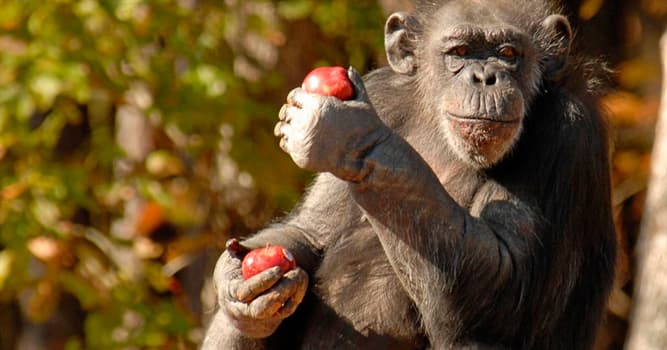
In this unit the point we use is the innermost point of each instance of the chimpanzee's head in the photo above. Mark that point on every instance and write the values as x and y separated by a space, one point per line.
478 66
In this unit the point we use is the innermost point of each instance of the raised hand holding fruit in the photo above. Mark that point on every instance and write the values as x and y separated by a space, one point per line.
325 134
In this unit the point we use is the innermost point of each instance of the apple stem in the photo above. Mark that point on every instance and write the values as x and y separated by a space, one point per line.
232 244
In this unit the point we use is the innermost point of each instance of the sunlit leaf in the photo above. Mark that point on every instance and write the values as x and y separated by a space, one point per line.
44 248
46 87
46 212
151 216
162 163
6 258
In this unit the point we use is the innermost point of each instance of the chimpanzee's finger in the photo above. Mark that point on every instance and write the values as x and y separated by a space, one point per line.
283 144
282 130
252 287
268 304
277 130
289 112
302 100
282 113
287 309
291 100
301 281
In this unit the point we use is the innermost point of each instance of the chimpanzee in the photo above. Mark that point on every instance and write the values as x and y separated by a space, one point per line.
463 200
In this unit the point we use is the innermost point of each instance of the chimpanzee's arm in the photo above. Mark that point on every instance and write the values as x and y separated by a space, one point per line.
221 335
318 220
444 254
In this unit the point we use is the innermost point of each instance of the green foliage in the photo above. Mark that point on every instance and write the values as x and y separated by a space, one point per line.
210 98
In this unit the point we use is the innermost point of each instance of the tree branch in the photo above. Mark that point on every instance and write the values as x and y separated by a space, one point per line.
649 320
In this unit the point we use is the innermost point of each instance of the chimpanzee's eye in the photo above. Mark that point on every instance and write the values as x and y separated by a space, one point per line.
508 53
461 51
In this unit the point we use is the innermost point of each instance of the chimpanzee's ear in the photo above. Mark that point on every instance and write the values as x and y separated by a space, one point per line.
560 33
399 43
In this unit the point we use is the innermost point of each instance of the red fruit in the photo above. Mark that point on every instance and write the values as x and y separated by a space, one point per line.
329 81
260 259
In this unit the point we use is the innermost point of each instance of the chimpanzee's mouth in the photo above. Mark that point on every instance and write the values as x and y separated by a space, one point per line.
482 118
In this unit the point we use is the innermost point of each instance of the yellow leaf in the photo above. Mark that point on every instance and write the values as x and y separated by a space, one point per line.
590 8
637 72
6 259
657 8
627 109
12 191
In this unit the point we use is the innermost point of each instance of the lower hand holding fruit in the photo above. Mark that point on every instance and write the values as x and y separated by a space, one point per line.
256 306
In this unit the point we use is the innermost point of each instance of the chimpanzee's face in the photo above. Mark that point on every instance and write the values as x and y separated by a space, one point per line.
482 72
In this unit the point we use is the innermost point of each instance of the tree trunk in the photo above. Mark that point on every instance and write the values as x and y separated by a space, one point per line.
649 320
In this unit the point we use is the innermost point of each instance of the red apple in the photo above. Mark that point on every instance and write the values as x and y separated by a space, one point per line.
329 81
260 259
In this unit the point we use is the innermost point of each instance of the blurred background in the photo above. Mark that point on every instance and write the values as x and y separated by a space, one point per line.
136 138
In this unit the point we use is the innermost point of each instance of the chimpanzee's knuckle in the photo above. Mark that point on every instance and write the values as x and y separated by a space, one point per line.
225 264
297 275
244 293
300 272
277 129
227 291
284 289
283 144
267 276
236 310
276 301
300 278
263 308
282 112
257 284
291 274
290 96
287 309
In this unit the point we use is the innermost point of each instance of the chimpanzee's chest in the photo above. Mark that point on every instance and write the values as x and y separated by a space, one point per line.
357 301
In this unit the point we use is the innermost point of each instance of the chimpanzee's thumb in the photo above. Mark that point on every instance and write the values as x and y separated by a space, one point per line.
360 93
235 249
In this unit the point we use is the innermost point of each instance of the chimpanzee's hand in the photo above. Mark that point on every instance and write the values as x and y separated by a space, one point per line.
256 306
325 134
